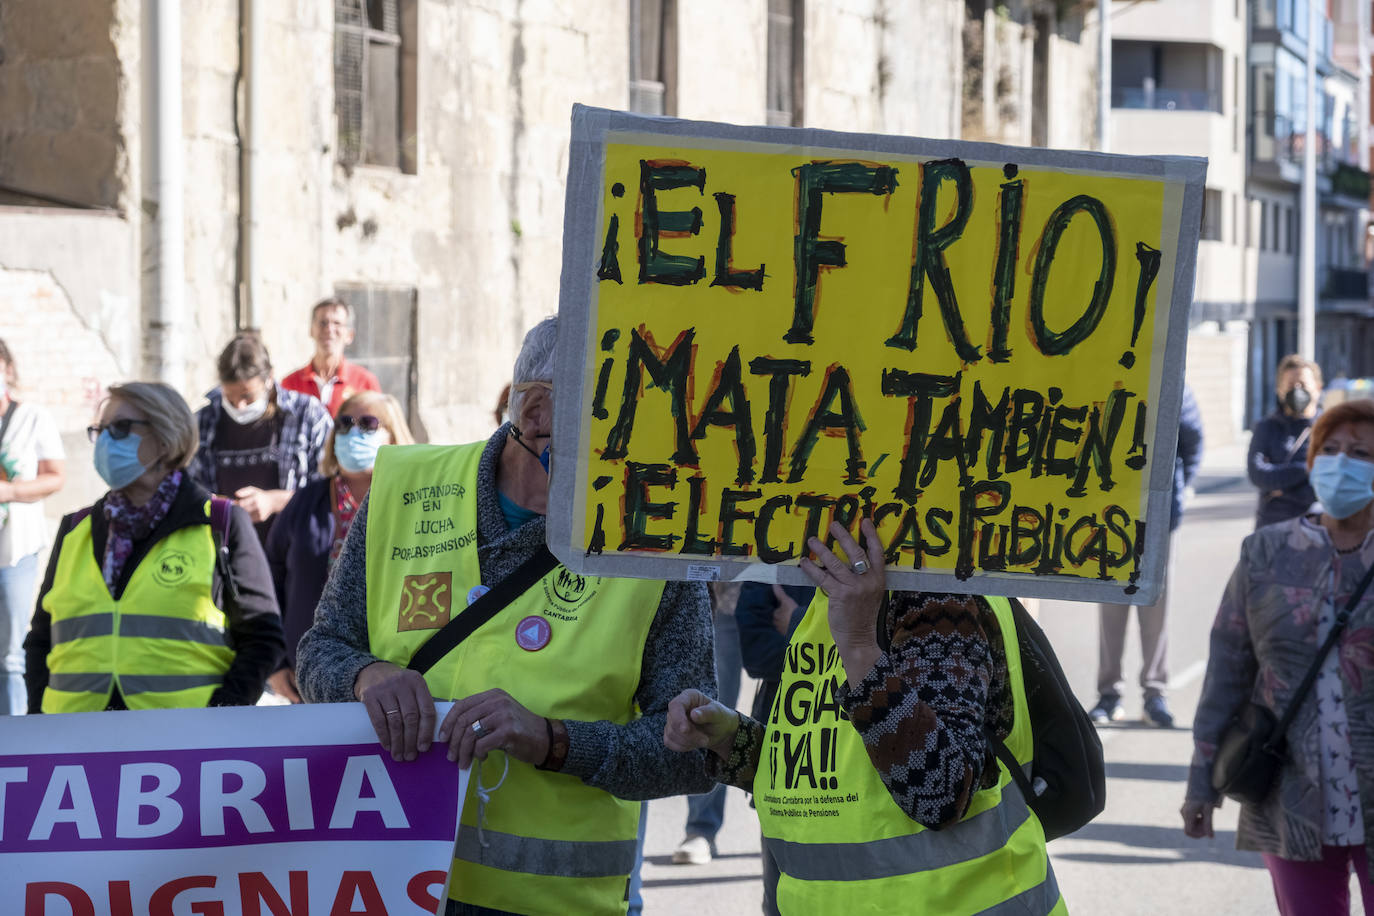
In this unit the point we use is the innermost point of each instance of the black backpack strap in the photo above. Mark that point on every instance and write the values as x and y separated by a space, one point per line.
220 512
482 610
1018 775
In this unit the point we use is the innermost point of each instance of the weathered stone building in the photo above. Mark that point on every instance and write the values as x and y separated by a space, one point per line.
170 171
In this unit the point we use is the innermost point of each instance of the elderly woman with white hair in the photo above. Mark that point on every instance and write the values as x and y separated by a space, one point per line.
157 596
569 678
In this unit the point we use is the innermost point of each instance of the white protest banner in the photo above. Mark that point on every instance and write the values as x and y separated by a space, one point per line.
248 811
766 330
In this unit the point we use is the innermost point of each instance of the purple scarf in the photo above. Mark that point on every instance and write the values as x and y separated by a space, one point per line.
130 523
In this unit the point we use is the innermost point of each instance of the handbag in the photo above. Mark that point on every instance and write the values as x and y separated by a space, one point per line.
1251 750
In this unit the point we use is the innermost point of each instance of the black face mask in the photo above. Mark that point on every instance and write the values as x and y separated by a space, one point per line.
1296 400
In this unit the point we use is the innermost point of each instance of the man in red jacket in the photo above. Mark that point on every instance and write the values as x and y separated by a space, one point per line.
329 376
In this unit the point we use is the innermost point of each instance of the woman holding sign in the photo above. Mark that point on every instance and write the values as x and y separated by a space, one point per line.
875 767
1290 590
157 596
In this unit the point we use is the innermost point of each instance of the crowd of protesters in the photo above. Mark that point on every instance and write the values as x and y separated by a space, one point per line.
230 556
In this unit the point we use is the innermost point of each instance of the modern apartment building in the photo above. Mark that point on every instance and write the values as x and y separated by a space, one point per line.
1278 123
1226 79
1179 88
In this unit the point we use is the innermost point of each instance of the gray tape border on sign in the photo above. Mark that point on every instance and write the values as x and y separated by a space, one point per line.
576 341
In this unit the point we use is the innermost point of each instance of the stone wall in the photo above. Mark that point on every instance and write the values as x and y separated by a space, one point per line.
476 230
60 80
68 297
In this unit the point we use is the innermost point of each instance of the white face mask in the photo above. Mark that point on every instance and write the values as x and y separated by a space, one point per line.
249 414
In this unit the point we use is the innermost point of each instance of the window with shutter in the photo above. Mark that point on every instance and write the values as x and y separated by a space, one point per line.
374 81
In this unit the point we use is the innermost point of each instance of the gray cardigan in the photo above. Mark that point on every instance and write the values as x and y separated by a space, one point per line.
1262 643
629 761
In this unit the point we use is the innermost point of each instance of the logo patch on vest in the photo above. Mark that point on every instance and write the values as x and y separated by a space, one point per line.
569 586
173 567
566 593
426 601
533 633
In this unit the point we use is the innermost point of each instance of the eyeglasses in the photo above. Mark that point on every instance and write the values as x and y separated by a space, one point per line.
367 423
118 429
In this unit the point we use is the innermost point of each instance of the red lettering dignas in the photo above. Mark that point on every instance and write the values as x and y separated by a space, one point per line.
249 893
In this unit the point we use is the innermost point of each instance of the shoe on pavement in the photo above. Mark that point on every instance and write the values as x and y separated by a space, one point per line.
1108 709
1157 713
693 850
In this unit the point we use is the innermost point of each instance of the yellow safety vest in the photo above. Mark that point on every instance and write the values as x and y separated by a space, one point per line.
843 845
163 644
570 647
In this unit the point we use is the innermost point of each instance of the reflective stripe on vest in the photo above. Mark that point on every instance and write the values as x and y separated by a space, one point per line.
1043 898
148 627
553 843
162 644
830 821
979 835
132 683
561 858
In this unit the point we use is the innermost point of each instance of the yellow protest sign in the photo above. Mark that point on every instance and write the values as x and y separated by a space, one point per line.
766 330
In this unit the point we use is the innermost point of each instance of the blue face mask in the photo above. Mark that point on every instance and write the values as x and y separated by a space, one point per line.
116 460
356 450
1344 485
544 458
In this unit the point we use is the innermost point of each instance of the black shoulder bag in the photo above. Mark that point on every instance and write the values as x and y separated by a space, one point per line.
1067 784
482 610
1251 750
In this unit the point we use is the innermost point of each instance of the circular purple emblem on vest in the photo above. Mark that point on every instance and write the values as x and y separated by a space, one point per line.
533 633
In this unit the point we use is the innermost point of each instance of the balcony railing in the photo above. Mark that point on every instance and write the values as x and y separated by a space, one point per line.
1166 99
1273 138
1345 283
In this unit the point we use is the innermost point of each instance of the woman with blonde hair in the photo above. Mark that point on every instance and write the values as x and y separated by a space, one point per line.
157 596
310 531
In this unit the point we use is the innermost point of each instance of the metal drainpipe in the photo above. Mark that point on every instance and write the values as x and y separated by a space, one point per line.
250 55
1104 75
1307 255
163 359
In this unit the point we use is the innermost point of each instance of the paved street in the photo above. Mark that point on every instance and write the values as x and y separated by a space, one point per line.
1133 860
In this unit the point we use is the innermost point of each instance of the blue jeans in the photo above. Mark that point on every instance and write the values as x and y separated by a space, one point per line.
635 897
16 607
706 812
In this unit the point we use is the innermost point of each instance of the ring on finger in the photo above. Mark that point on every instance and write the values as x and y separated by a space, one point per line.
479 730
392 712
860 567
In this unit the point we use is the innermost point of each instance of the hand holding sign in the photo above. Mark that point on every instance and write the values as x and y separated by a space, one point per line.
855 593
505 725
400 706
